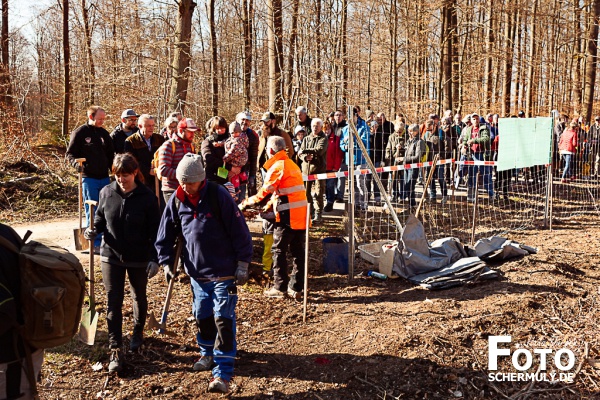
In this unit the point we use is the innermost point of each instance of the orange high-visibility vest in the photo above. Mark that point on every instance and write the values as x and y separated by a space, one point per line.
284 179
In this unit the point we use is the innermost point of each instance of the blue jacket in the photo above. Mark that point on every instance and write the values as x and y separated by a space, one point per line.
212 245
364 133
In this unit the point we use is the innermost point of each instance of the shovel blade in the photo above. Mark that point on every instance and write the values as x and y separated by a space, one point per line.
88 326
152 323
81 243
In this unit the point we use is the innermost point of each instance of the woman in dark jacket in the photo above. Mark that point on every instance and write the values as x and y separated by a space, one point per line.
128 215
213 150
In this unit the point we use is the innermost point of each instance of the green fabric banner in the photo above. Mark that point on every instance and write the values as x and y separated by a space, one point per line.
524 142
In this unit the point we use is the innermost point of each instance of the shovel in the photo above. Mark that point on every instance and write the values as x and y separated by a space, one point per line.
80 241
89 318
162 325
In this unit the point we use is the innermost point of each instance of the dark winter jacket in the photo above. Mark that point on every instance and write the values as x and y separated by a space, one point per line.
129 223
93 144
212 245
213 156
380 140
436 142
251 165
118 136
137 146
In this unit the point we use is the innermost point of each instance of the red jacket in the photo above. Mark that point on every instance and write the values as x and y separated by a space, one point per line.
335 155
568 141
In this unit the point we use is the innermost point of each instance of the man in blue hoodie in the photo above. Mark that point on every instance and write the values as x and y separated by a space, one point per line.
360 181
217 248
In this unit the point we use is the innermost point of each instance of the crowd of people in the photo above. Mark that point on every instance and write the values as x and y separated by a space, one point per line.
166 191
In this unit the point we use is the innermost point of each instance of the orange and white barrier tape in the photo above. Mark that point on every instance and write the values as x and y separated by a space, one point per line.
366 171
489 163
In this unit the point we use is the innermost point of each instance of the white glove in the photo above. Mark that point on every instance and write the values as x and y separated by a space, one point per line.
152 269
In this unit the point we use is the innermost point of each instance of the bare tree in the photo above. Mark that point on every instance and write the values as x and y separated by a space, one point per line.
592 61
275 48
182 56
5 72
91 77
67 62
214 60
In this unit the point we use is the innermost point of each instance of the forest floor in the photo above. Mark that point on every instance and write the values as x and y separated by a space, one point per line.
363 338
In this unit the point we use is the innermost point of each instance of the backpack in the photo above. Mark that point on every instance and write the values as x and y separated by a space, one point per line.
52 291
156 157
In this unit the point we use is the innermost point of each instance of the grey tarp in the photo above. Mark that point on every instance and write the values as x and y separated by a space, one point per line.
443 263
497 248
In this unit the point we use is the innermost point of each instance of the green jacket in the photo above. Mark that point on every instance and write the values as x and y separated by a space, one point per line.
394 151
482 141
317 146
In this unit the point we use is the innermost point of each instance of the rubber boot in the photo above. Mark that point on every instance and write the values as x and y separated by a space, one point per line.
267 257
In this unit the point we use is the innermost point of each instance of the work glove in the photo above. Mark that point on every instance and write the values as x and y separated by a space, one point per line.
152 269
241 273
90 234
170 273
244 204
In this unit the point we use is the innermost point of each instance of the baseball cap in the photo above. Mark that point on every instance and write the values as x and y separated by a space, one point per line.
128 113
299 128
267 116
521 113
187 123
243 115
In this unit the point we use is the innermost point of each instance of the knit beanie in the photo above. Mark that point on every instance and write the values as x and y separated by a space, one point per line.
190 169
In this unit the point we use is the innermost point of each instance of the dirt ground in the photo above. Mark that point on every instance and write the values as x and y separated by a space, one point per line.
365 338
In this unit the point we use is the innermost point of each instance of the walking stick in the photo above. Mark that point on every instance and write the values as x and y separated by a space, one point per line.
306 264
429 177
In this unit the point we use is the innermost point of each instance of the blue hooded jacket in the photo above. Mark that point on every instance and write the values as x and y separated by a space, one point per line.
212 245
364 133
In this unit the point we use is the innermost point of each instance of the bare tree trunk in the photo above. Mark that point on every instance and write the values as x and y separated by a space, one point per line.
592 62
448 54
508 59
67 61
576 70
275 48
91 77
292 53
214 61
344 35
393 59
487 73
181 57
530 83
318 59
5 72
247 27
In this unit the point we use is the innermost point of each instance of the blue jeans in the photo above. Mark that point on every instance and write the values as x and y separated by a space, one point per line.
90 189
567 171
410 181
214 309
485 170
330 188
340 189
439 174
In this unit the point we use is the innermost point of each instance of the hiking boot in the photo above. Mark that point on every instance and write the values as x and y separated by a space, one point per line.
218 385
339 200
274 293
295 295
116 360
317 219
203 363
136 341
328 207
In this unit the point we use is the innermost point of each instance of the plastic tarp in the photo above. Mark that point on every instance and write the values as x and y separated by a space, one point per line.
446 262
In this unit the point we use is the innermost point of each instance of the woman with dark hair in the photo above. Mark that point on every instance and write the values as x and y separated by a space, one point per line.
128 216
213 149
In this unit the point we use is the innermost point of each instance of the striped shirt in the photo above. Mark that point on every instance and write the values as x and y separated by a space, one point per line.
169 155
